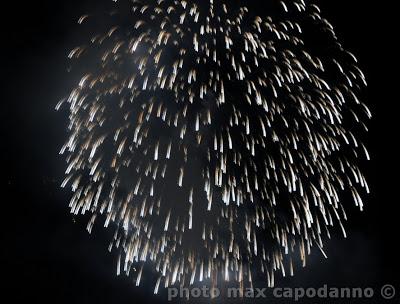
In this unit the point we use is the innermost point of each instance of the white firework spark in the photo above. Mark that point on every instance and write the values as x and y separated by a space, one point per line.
217 142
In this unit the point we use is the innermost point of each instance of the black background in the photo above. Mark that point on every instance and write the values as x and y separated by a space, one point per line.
47 255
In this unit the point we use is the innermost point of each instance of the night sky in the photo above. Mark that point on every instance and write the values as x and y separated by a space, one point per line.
47 254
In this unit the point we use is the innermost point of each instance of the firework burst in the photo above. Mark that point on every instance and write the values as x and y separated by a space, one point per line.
218 143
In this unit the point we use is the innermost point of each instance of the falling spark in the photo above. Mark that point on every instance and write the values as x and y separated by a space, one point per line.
217 143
